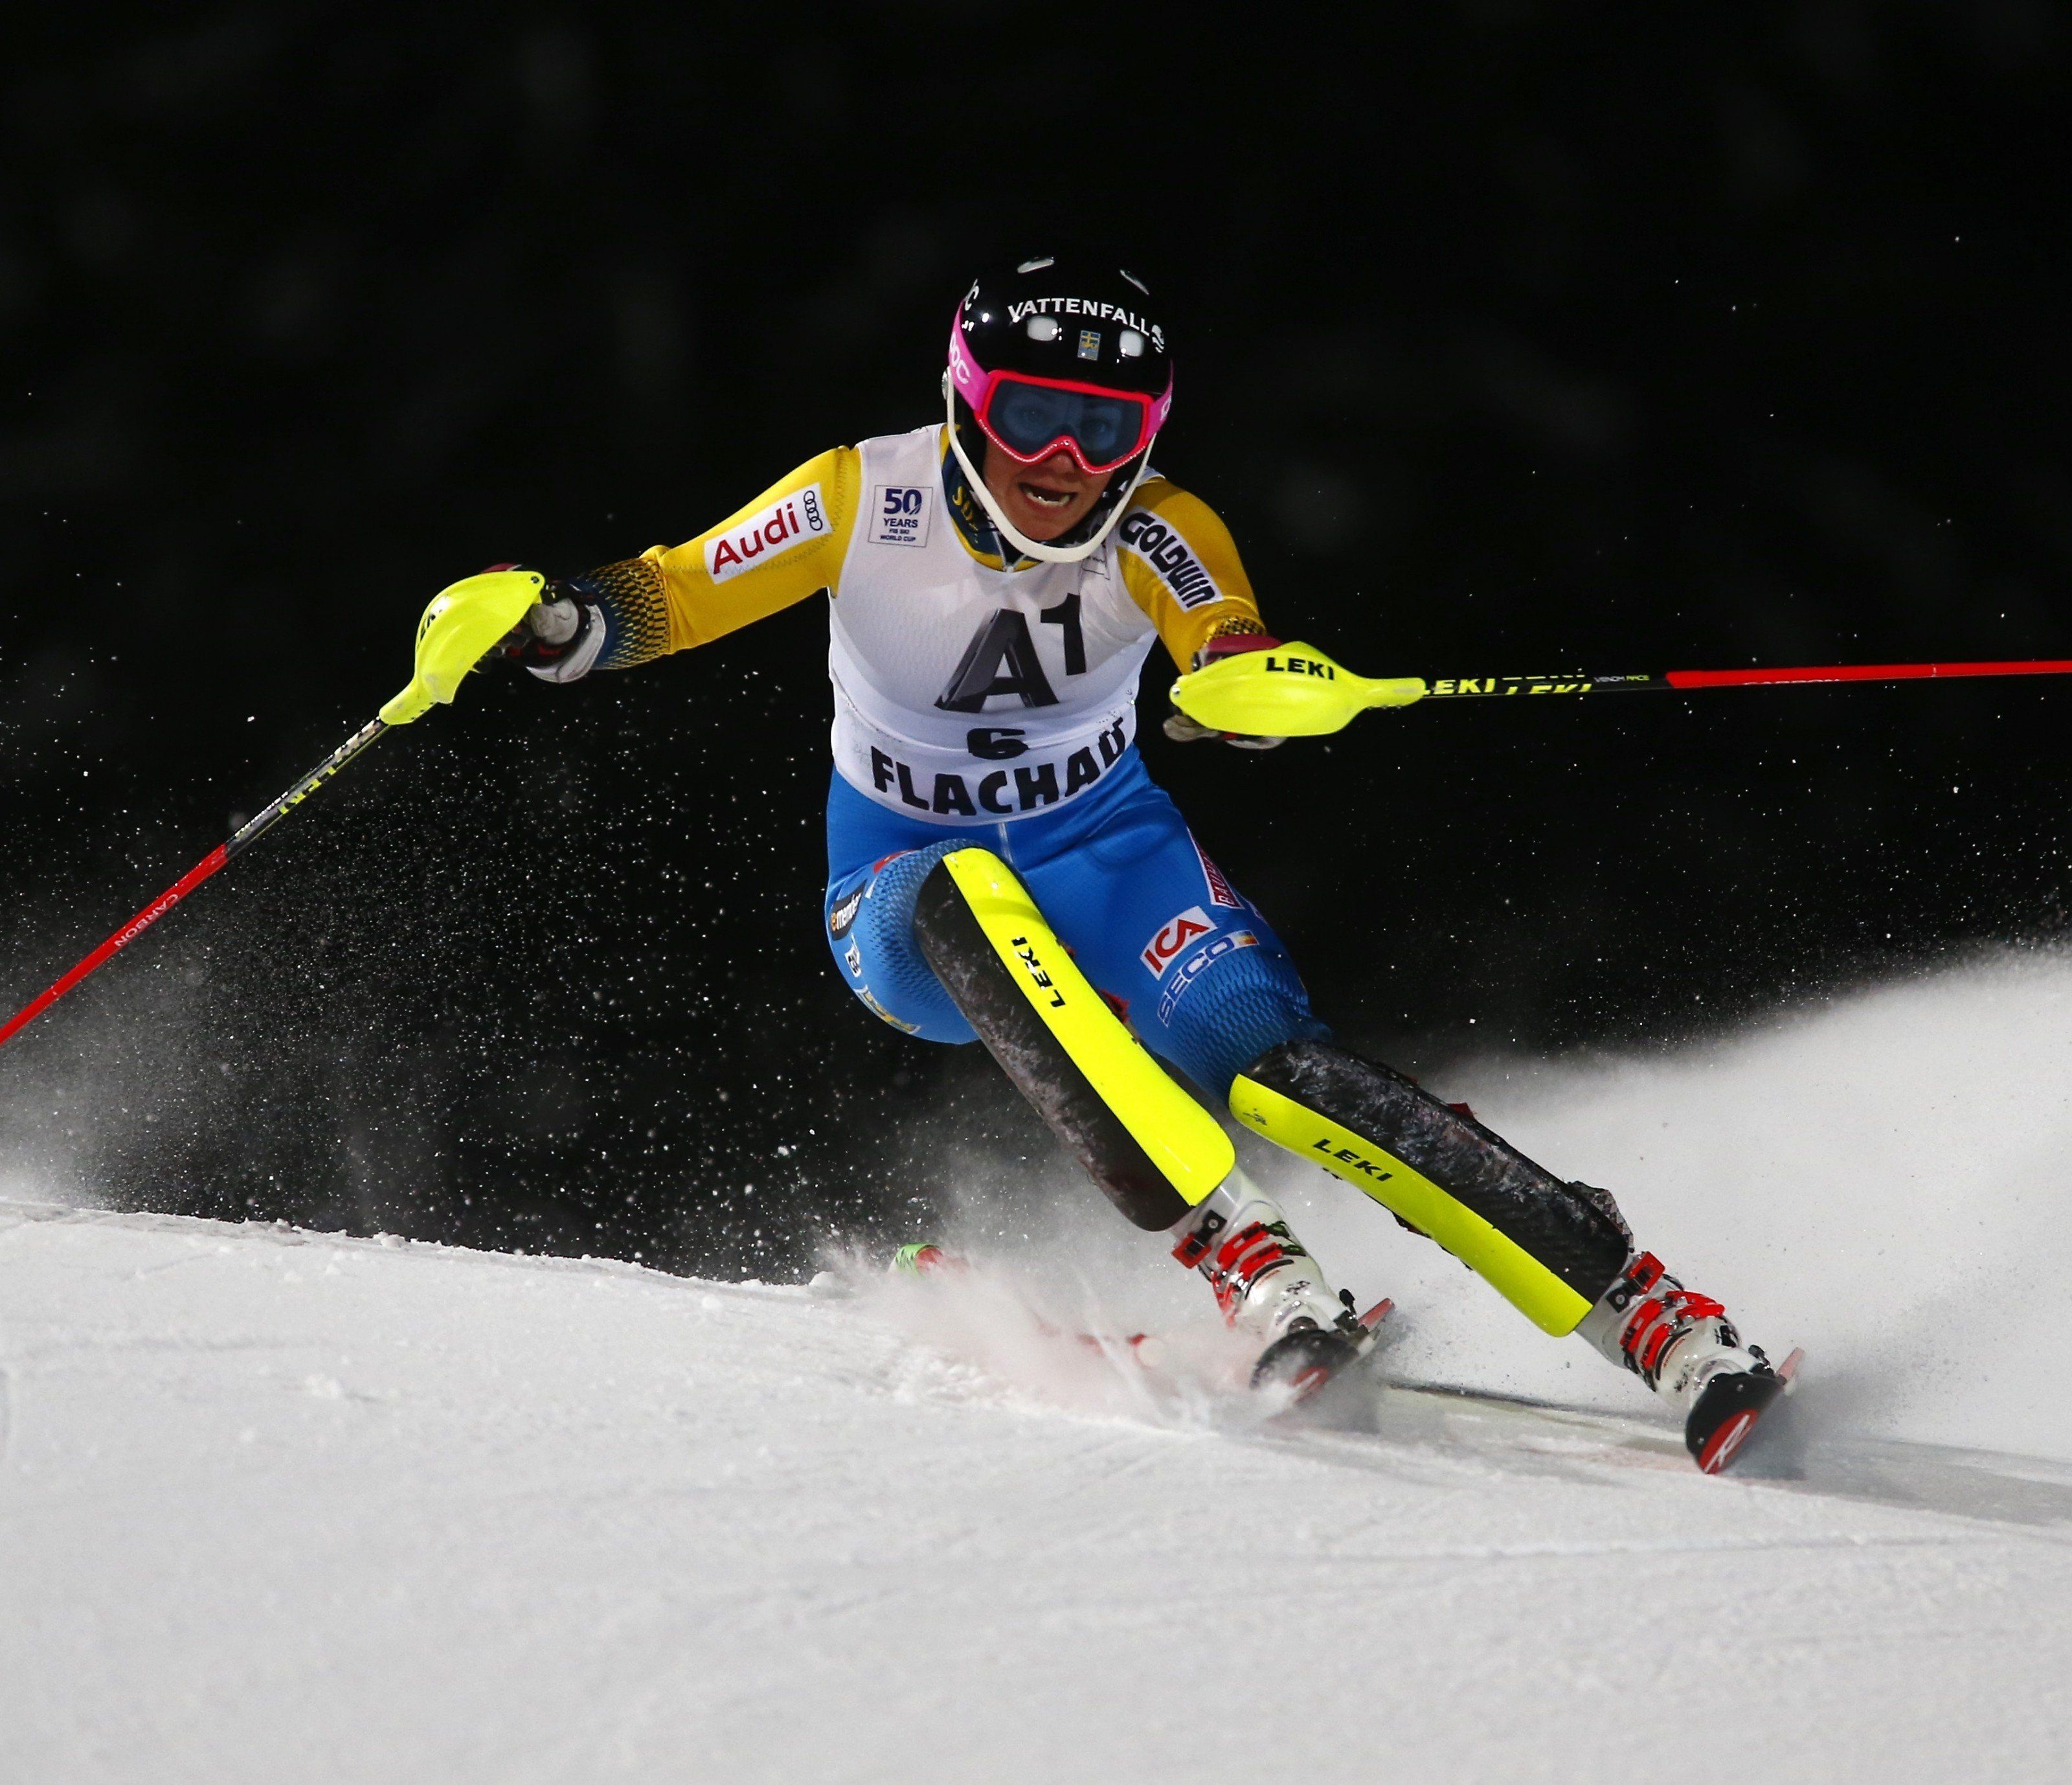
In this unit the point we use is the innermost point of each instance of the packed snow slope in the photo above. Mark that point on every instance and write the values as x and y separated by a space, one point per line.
1881 1178
279 1505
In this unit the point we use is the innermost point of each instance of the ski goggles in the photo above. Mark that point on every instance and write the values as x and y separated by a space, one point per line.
1029 417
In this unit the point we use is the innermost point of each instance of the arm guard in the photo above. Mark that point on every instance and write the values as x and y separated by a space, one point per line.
786 546
634 604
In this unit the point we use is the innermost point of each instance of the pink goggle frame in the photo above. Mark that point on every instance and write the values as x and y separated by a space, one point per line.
977 386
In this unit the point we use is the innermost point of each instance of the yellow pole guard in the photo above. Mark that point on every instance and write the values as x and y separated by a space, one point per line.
459 627
1517 1275
1291 691
1178 1135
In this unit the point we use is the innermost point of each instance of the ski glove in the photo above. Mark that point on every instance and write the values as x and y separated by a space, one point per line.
559 638
567 635
1184 730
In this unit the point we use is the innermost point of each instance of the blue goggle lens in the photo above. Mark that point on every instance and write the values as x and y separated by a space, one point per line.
1029 417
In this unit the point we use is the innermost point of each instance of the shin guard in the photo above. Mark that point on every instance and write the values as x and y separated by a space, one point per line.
1146 1142
1550 1248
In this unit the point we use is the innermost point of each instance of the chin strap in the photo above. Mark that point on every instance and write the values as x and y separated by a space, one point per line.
1115 498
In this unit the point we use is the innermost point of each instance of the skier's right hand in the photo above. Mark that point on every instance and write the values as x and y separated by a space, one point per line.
1183 729
560 637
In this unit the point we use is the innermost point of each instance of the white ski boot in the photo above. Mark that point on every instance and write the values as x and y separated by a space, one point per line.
1270 1288
1684 1347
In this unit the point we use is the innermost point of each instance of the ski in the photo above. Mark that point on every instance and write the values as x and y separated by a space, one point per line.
1304 1362
1727 1408
1299 1365
927 1259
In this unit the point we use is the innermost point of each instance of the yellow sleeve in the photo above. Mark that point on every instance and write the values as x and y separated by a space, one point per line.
1180 565
785 545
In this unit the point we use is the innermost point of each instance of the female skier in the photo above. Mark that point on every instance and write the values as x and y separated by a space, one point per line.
998 854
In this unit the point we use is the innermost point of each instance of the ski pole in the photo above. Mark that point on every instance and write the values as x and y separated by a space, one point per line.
1672 681
1294 690
458 628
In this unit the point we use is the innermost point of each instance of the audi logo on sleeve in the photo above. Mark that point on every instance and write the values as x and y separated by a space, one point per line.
784 525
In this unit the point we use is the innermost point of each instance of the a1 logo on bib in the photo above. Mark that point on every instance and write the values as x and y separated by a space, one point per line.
899 515
1164 949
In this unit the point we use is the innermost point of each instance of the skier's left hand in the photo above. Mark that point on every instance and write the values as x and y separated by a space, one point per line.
1184 730
560 639
560 636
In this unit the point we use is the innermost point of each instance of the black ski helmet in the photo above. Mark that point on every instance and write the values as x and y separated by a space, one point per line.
1069 348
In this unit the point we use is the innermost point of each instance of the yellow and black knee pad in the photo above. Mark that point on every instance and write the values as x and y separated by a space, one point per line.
1550 1248
1150 1146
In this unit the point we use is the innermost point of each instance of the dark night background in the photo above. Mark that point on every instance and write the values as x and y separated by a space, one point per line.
1512 337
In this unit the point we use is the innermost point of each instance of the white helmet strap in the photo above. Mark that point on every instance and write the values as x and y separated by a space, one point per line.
1020 540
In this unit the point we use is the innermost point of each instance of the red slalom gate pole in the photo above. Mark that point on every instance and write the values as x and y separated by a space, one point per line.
1687 680
193 877
1863 672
